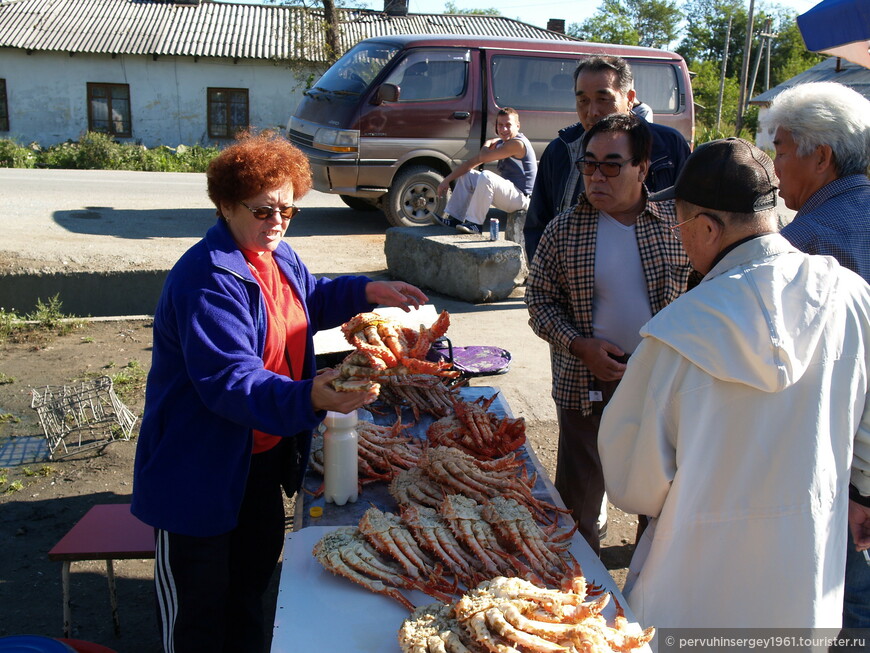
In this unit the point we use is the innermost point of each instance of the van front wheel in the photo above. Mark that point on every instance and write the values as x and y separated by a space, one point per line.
413 197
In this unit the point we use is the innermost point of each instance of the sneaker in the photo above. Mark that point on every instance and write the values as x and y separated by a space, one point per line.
468 227
444 221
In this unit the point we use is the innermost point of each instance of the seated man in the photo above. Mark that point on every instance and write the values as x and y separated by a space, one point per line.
476 191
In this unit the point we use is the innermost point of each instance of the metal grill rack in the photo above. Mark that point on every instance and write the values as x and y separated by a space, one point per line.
81 417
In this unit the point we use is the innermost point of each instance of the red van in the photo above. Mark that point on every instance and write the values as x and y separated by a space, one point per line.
390 119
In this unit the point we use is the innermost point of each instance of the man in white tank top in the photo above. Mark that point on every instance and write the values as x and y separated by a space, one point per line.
602 270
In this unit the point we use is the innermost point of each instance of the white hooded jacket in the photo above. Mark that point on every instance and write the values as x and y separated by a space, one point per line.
733 428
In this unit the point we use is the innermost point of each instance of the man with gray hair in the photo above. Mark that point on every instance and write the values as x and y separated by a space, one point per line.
821 133
743 418
602 85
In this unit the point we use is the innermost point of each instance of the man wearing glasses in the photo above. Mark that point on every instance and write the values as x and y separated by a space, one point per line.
743 417
603 269
602 85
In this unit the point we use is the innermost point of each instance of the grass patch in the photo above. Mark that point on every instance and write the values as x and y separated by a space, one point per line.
39 326
44 471
97 151
8 418
5 379
129 381
14 486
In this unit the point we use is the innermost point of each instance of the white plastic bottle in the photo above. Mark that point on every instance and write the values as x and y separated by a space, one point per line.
340 451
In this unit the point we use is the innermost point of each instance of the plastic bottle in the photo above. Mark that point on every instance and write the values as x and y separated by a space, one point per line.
340 451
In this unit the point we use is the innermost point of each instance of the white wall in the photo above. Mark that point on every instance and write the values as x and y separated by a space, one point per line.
763 140
47 94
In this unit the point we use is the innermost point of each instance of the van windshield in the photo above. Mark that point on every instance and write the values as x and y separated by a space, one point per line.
354 72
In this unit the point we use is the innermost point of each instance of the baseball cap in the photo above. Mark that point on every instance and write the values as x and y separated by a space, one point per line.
729 174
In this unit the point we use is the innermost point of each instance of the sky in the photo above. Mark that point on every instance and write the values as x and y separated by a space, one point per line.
537 12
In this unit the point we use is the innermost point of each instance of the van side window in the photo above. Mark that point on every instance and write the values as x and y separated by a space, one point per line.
533 83
657 86
431 75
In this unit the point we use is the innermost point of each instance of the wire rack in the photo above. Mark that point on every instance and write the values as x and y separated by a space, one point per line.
81 417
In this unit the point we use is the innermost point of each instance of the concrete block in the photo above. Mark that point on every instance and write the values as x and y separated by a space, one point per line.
513 229
465 266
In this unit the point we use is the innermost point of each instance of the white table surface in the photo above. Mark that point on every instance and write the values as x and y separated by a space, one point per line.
317 611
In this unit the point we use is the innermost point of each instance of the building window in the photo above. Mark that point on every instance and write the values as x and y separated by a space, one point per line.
109 109
4 108
227 111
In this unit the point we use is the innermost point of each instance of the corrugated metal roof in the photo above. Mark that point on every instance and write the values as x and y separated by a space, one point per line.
850 74
211 29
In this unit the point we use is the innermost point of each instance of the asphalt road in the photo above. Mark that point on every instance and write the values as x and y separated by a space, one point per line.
98 221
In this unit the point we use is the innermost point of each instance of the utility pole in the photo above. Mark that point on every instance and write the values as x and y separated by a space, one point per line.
722 73
744 72
764 38
767 67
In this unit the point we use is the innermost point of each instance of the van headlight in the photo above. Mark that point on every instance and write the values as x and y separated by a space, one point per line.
336 140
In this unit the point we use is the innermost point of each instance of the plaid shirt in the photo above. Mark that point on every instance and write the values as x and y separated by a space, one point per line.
835 221
561 284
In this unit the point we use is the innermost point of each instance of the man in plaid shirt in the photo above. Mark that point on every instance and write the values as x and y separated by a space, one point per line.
821 134
602 270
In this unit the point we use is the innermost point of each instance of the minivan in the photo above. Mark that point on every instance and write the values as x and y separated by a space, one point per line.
389 120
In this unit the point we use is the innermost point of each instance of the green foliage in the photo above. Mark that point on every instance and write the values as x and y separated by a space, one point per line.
650 23
47 320
13 155
14 486
8 418
44 470
96 151
5 379
129 381
706 28
451 8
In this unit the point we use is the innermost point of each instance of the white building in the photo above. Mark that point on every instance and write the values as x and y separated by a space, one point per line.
832 69
166 72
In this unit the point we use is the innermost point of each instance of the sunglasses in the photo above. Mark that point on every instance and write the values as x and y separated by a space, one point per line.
587 167
266 212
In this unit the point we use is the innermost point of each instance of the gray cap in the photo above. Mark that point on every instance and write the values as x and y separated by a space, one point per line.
730 174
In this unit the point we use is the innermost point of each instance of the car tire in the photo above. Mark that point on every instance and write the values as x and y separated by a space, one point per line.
413 197
359 203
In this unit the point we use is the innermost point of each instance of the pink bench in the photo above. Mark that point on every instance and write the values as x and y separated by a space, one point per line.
106 532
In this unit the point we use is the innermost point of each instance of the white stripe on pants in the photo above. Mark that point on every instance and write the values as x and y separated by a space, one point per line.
167 599
475 191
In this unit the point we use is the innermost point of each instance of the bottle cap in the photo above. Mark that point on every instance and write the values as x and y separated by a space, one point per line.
336 420
316 511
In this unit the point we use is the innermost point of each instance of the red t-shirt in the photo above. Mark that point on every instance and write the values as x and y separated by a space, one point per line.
286 328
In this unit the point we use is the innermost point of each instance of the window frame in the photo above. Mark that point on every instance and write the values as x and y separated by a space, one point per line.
4 107
231 128
108 86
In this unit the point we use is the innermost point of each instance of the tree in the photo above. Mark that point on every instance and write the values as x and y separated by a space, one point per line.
451 8
704 44
706 26
651 23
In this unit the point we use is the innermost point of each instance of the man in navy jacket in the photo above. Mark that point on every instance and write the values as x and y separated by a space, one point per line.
602 85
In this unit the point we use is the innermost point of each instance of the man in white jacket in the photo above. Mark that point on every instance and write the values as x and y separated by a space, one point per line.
735 424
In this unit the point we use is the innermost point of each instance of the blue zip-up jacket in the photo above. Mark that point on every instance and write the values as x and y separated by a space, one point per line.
559 184
207 388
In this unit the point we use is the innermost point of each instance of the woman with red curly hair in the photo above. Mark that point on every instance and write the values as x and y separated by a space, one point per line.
233 396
